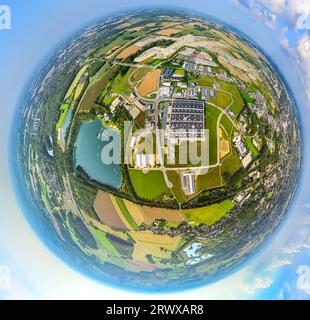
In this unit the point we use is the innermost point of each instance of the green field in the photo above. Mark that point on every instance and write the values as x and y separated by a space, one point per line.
204 81
126 213
108 248
212 116
44 196
238 103
251 147
108 100
221 99
228 205
140 120
75 82
101 73
148 186
227 124
254 89
64 110
156 62
210 180
104 241
195 32
95 89
118 42
246 97
231 165
139 74
175 178
208 215
121 84
270 195
180 72
79 90
187 154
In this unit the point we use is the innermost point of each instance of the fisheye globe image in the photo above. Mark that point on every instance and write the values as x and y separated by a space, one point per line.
156 150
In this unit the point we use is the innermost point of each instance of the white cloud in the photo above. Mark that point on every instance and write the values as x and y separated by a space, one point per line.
303 50
291 249
296 15
258 11
5 277
303 22
303 280
257 284
292 10
277 263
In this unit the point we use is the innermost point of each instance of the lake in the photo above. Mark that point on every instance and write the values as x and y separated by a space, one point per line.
88 150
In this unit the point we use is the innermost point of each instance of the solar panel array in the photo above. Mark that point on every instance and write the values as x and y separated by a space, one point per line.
187 119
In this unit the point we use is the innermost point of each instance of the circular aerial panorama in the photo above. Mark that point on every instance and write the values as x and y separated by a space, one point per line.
156 150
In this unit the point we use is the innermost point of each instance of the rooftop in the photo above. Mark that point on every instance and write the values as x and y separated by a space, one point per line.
187 119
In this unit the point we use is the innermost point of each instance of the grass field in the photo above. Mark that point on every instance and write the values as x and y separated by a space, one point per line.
210 180
231 164
108 100
208 215
148 186
191 31
254 89
212 116
187 154
238 103
228 127
121 83
148 243
228 205
251 147
221 99
156 62
101 73
227 124
104 241
95 89
126 213
225 145
64 109
175 178
180 72
139 74
76 82
246 97
237 106
204 81
111 253
79 90
136 212
120 41
140 120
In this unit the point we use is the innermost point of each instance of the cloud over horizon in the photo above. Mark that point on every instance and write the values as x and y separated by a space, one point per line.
284 16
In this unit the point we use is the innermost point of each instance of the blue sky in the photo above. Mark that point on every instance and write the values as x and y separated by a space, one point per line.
27 269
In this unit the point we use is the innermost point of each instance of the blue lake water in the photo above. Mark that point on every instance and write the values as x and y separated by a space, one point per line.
88 150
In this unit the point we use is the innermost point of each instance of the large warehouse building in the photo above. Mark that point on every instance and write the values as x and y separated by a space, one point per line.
186 120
